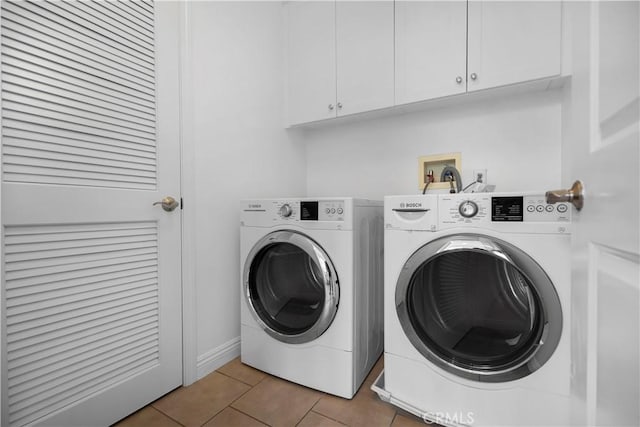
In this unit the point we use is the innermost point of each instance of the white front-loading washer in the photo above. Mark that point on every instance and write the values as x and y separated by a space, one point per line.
477 305
312 286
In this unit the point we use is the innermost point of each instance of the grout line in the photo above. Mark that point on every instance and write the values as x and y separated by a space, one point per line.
324 415
394 418
328 417
310 409
239 380
230 403
166 415
248 415
234 400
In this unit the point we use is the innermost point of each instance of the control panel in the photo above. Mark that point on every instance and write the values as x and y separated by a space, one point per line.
309 210
464 209
286 210
537 209
478 208
323 210
321 213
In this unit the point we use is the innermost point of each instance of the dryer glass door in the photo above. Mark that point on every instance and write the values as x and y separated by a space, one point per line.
291 286
479 307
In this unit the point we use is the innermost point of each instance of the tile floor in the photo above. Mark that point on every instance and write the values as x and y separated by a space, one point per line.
238 395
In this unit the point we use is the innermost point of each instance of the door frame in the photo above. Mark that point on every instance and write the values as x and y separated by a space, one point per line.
187 189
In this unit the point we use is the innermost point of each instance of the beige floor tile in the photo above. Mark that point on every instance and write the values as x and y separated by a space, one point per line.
408 420
365 409
198 403
241 372
147 416
277 402
313 419
229 417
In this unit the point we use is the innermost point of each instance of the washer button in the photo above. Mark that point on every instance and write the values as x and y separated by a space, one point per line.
531 208
340 211
327 210
562 208
549 208
540 208
333 210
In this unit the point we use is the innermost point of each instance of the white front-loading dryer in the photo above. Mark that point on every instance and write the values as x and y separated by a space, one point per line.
477 304
311 291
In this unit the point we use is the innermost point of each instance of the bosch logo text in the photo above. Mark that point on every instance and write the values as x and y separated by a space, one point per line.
410 205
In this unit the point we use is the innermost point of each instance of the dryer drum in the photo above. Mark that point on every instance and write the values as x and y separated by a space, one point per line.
479 307
291 287
286 288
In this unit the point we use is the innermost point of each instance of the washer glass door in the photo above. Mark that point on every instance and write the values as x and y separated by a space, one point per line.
479 307
291 286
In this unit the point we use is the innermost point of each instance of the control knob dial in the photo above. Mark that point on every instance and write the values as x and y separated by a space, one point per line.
285 210
468 209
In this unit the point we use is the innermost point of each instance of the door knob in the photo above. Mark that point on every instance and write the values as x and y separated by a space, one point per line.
574 195
168 203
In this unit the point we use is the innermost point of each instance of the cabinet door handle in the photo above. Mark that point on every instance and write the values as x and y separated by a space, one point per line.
330 107
473 76
458 79
339 105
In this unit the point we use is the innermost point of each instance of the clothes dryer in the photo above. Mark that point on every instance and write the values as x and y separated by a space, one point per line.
311 291
477 306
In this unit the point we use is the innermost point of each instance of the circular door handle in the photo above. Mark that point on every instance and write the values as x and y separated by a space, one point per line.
168 203
339 105
458 79
330 107
473 76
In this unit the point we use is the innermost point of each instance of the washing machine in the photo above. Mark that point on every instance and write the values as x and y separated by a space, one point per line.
477 306
312 289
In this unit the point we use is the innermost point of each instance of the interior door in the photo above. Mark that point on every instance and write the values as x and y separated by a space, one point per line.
91 315
602 108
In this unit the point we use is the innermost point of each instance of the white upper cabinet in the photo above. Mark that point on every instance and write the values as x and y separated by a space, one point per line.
449 47
430 49
347 57
513 41
311 55
340 58
364 44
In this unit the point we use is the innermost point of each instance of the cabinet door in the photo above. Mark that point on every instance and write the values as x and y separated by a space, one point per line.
364 55
512 41
311 58
431 49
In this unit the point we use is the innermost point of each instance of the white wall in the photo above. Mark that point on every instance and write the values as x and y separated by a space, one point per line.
234 102
516 137
236 147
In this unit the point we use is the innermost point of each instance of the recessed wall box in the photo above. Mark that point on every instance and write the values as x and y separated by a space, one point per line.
434 164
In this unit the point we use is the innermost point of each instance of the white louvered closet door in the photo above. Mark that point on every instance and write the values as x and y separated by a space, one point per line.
91 311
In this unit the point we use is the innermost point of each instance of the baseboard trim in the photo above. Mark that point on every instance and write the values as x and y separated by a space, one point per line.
215 358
